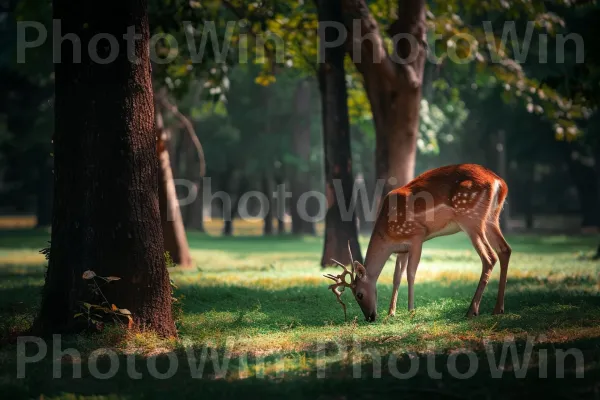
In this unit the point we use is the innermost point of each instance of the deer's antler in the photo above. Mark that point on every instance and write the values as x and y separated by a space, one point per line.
340 281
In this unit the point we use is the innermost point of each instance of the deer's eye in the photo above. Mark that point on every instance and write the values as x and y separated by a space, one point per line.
359 295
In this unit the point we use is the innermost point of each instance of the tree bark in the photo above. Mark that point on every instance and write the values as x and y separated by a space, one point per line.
393 85
301 144
339 230
106 214
176 243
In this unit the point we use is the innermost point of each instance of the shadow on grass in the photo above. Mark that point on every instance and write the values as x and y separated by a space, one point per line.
24 239
436 376
20 291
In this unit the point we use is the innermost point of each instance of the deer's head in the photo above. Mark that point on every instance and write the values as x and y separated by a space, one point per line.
364 292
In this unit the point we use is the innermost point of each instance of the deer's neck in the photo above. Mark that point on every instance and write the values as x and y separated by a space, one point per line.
378 253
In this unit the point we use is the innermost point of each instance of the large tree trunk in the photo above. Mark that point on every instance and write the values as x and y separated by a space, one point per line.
170 214
301 144
339 230
106 214
393 86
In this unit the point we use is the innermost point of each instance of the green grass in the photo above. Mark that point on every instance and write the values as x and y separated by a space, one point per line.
265 297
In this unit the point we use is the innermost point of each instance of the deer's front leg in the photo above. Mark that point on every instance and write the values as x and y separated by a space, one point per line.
414 258
401 262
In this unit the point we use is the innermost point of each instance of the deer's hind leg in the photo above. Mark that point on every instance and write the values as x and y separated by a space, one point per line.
472 204
502 248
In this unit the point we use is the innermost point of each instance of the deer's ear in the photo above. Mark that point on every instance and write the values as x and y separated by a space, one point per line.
359 269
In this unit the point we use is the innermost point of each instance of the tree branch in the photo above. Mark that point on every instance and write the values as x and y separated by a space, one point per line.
412 22
189 128
366 38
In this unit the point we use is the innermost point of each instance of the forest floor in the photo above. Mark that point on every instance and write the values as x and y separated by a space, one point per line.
262 305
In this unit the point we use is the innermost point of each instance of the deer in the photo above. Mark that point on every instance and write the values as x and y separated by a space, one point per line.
440 202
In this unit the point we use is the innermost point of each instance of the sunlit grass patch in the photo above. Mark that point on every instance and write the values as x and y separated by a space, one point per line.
20 257
266 297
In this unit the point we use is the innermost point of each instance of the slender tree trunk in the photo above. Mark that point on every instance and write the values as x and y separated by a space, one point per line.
189 165
393 86
170 214
228 214
268 191
179 157
279 211
106 213
195 213
228 227
235 190
301 143
186 162
340 230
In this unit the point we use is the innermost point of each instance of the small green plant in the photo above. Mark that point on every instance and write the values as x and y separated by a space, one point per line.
169 260
98 314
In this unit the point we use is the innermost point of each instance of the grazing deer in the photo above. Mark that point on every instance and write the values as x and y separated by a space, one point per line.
443 201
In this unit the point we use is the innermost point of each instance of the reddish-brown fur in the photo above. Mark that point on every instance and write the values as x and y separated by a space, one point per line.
440 202
438 197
